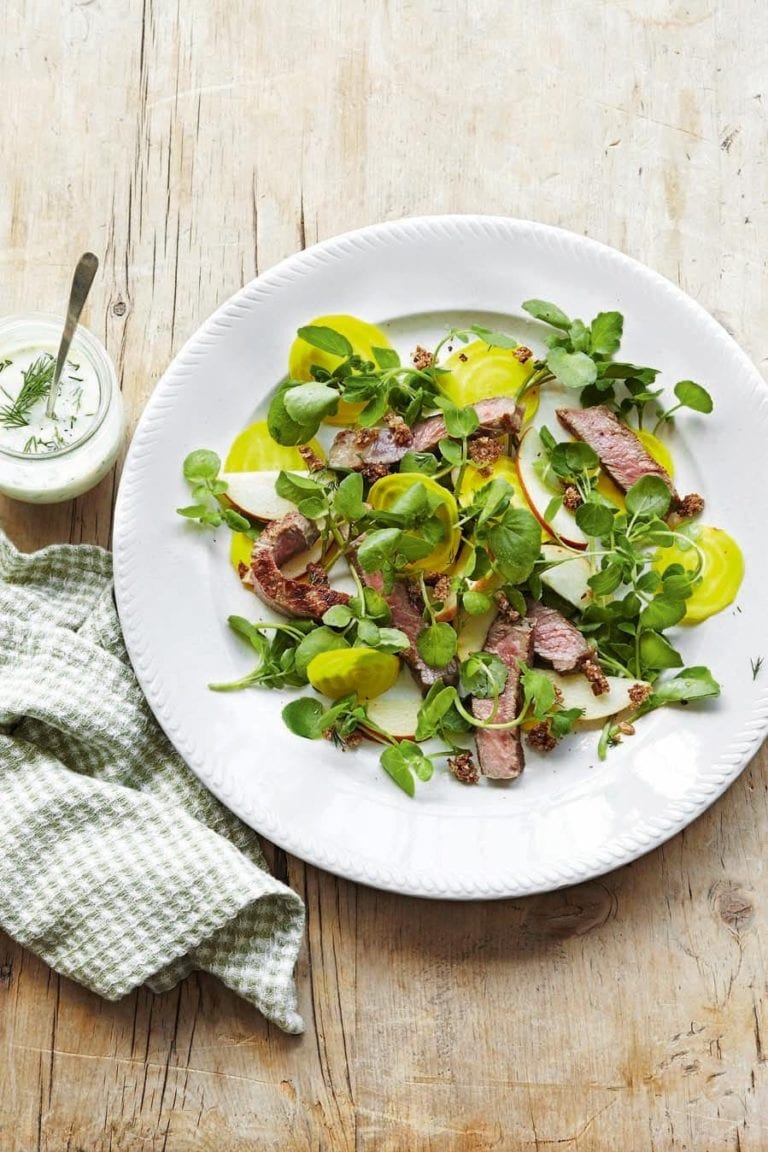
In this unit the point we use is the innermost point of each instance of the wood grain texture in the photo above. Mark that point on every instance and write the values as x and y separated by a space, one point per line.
192 144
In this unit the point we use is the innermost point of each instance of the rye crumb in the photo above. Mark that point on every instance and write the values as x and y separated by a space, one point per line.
464 768
690 505
421 358
571 498
540 737
639 693
373 472
484 451
311 458
598 681
401 433
521 353
626 728
506 611
316 575
442 588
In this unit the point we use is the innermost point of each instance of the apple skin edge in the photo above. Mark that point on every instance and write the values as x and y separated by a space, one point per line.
527 454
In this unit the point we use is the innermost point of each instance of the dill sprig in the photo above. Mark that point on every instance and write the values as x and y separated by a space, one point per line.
36 385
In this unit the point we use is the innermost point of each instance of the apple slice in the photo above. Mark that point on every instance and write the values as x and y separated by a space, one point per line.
473 633
569 576
253 494
577 693
562 525
397 711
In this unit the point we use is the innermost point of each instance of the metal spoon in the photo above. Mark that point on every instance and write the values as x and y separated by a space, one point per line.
85 271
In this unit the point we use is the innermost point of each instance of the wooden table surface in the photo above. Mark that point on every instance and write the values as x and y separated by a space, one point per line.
192 145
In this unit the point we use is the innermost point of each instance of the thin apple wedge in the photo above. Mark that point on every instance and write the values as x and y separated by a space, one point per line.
577 693
253 494
561 525
569 574
473 633
397 711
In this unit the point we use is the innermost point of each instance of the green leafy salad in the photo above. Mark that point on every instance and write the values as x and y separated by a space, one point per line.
469 553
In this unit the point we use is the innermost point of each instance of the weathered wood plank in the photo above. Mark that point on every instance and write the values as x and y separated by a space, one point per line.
194 145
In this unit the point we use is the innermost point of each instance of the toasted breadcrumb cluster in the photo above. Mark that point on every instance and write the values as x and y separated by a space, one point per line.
441 585
689 506
639 693
506 611
598 681
374 472
484 451
522 354
571 498
421 358
311 458
401 433
464 768
540 737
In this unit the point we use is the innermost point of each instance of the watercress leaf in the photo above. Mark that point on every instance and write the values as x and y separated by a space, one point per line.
461 422
623 371
475 603
552 508
650 496
412 547
437 645
368 633
594 519
326 339
538 691
607 580
656 652
302 717
386 357
692 395
650 581
215 487
607 329
662 612
549 313
515 544
348 498
322 639
234 520
293 486
376 606
434 708
378 547
392 640
338 616
450 451
689 684
579 336
423 462
572 369
249 632
373 411
516 598
416 760
202 464
680 585
395 764
311 402
193 511
282 427
313 507
483 674
492 499
493 338
562 721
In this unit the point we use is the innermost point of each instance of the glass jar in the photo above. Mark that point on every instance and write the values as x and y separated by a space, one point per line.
47 461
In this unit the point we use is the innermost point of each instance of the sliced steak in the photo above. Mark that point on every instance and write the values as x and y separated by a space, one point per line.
501 753
358 448
620 452
407 610
556 640
280 540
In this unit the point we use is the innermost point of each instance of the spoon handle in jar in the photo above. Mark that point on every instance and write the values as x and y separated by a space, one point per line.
86 269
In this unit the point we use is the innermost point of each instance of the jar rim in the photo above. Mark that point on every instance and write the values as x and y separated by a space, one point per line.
99 360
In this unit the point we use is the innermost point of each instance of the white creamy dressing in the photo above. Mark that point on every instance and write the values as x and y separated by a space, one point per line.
42 460
31 431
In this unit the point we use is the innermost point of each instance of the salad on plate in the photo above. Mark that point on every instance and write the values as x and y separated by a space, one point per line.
468 555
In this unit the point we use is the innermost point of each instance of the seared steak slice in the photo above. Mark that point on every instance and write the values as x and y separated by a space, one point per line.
357 448
501 753
620 452
280 540
556 640
407 609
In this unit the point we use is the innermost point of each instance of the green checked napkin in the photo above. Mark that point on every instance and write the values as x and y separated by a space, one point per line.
117 866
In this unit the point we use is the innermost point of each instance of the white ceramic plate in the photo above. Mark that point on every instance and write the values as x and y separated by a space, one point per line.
569 817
